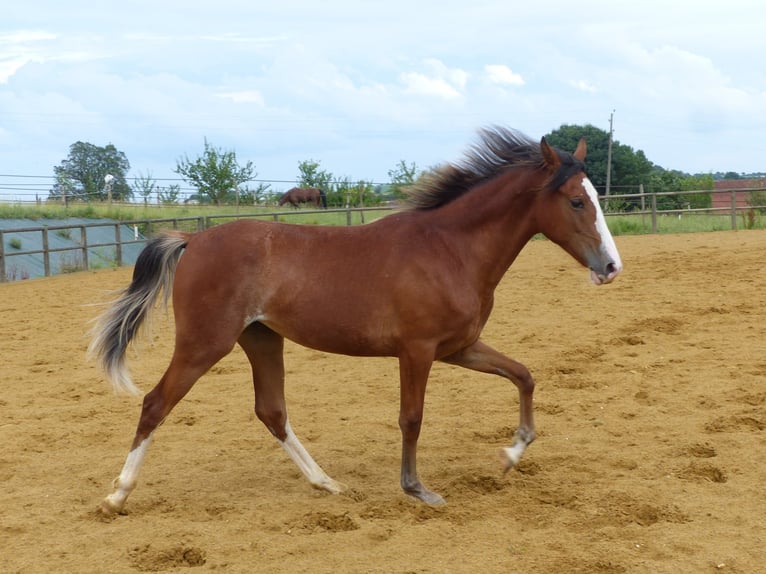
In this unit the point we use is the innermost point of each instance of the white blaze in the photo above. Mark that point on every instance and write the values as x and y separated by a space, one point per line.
607 241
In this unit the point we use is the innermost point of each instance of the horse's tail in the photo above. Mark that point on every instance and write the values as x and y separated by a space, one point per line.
323 197
116 327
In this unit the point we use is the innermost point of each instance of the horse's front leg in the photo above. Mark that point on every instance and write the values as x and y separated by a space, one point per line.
413 373
481 357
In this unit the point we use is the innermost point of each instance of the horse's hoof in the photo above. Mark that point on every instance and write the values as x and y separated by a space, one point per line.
330 485
108 508
433 499
334 486
427 496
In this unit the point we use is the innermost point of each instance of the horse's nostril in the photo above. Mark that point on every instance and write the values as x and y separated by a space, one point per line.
610 268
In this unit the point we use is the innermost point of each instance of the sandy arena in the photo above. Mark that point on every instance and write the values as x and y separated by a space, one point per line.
650 457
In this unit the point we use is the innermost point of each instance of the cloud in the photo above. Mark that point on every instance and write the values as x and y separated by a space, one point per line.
439 81
318 81
24 47
244 97
583 86
25 36
422 85
17 49
503 75
9 66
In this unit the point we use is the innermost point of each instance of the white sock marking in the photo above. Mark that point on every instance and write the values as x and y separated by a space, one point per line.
311 470
126 482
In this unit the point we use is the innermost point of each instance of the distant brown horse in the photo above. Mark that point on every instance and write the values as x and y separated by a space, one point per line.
298 195
417 285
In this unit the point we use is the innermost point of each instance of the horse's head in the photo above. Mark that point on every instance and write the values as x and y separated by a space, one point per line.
569 214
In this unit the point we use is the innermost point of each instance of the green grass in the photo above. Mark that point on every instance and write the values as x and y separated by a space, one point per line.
129 212
687 223
116 211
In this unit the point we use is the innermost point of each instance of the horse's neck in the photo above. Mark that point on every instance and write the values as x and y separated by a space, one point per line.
490 225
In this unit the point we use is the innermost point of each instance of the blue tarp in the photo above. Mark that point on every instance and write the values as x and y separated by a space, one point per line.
23 266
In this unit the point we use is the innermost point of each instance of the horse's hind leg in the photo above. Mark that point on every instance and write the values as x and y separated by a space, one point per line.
264 349
483 358
188 364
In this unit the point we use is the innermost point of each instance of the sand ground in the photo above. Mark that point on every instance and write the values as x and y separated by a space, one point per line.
650 458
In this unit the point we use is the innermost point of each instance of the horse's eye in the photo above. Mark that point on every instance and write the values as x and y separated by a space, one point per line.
577 203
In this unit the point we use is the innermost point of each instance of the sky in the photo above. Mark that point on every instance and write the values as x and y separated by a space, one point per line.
361 86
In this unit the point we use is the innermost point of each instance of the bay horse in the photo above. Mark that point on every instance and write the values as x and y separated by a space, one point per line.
298 195
417 285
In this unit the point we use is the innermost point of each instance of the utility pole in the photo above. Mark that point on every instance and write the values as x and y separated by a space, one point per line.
609 162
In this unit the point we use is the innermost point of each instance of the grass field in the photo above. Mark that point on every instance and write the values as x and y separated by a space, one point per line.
132 212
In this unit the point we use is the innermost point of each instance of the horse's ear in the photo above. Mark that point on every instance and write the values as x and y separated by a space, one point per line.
550 157
582 149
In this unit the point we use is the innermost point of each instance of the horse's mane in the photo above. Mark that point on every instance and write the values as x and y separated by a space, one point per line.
498 150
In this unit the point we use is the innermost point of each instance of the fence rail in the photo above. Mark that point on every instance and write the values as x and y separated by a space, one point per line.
142 228
727 202
630 205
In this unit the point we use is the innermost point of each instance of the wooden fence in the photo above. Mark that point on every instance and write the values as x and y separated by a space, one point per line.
727 203
643 205
142 228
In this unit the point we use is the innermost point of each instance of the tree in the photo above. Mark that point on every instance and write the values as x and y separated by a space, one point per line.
568 136
343 194
402 176
662 180
145 186
359 194
365 194
216 174
309 175
168 195
83 174
260 194
629 168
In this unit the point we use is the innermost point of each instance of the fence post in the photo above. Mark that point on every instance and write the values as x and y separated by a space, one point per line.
46 254
348 214
734 209
118 246
654 212
84 248
2 257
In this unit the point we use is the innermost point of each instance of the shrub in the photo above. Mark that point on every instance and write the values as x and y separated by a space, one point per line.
71 263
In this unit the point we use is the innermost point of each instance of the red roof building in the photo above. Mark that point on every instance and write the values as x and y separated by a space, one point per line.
722 192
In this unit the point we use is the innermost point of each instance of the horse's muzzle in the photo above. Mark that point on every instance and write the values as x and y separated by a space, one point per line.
605 275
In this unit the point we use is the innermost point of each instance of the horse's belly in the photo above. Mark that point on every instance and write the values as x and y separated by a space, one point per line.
339 338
